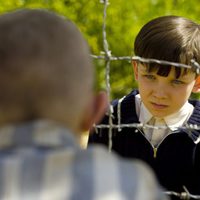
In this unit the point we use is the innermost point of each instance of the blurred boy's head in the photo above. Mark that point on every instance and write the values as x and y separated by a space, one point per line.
45 69
164 89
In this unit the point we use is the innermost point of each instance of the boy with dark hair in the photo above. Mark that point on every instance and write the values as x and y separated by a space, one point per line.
162 99
46 87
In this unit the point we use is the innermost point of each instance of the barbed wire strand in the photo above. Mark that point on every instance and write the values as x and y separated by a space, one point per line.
107 75
186 195
140 125
108 58
194 65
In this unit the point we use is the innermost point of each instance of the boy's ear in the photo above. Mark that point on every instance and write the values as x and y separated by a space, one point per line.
95 111
196 87
135 68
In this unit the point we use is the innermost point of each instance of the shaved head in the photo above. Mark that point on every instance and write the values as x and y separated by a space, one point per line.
45 67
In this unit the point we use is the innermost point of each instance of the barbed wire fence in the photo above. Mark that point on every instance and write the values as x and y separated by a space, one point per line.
107 56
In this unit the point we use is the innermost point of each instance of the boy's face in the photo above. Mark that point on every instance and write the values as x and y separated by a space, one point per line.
163 96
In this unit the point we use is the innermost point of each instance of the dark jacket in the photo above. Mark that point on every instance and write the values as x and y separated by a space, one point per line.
174 161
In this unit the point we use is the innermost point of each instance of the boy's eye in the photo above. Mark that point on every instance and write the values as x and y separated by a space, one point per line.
177 82
150 77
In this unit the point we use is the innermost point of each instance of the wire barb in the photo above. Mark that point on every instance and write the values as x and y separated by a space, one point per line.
196 66
104 2
185 195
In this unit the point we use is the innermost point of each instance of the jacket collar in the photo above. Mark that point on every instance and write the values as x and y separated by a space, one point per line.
129 115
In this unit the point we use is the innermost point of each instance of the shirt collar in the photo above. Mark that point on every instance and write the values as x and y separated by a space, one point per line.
179 118
173 121
142 112
39 133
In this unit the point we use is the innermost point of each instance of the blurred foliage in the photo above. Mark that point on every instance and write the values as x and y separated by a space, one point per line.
124 20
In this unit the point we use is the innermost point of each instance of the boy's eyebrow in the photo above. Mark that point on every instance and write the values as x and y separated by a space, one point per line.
142 65
187 76
143 68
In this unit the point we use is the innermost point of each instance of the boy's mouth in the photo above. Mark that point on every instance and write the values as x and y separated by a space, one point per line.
158 106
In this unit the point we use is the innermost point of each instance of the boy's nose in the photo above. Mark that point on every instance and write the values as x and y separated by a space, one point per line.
160 91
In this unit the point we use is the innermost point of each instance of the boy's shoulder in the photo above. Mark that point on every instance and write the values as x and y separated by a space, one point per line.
135 175
196 112
195 102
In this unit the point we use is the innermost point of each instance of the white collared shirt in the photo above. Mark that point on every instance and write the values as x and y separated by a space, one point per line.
172 121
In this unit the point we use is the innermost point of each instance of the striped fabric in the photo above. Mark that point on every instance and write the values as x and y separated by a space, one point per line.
40 160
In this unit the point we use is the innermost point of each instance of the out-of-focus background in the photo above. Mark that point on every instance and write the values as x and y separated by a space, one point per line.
124 20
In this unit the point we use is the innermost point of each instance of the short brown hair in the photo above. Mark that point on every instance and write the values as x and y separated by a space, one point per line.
170 38
45 66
